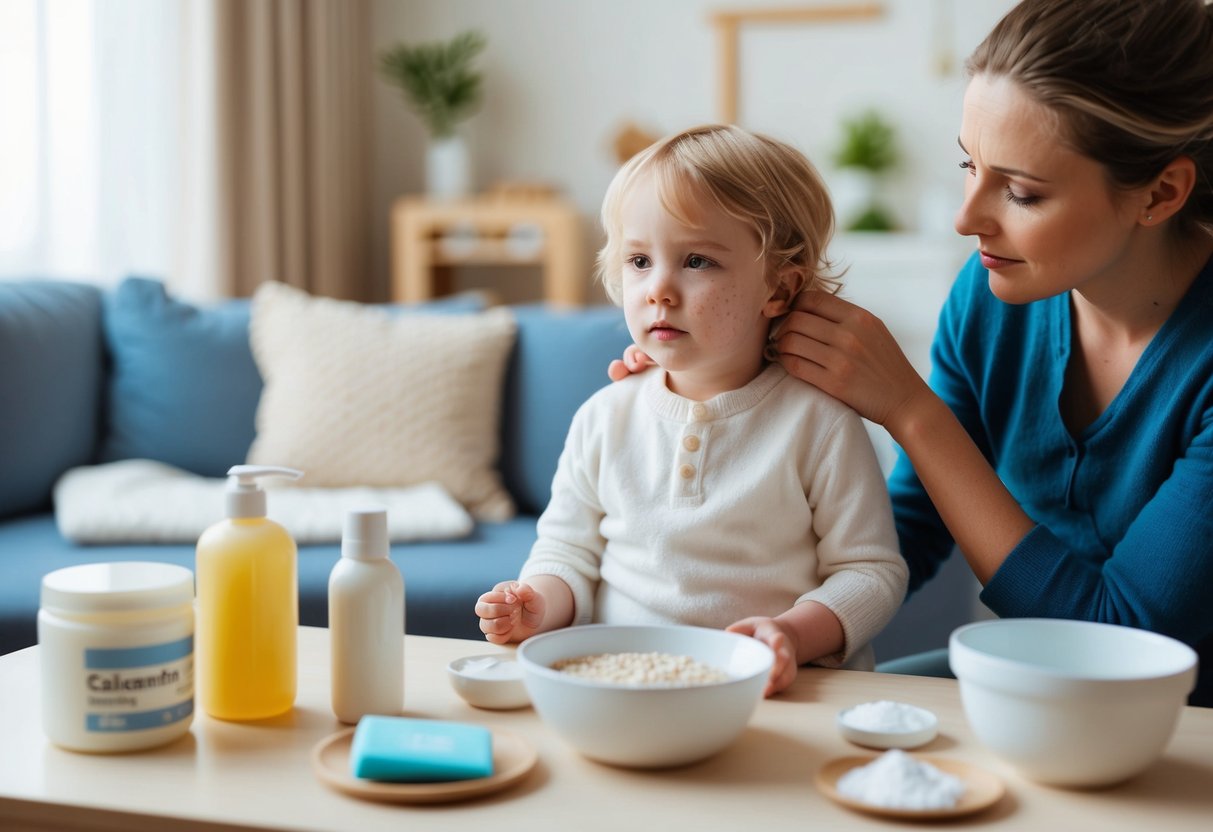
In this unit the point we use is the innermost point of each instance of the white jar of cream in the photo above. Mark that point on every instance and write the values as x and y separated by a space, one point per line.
117 651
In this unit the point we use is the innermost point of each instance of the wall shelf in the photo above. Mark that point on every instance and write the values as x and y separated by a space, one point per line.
493 230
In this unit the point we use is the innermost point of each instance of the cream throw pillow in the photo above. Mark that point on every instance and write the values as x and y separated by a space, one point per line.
357 396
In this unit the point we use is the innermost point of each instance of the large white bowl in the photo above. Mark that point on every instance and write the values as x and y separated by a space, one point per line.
1071 703
646 727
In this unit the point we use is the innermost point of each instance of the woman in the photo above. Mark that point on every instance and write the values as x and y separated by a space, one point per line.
1065 443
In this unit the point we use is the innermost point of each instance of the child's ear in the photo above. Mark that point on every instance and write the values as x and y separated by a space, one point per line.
790 281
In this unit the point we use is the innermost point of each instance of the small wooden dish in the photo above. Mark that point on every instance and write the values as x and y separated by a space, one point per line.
513 759
982 789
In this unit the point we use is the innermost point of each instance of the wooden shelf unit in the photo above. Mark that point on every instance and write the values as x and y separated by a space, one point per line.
430 234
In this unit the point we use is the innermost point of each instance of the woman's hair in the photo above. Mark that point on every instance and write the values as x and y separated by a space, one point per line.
1130 80
766 184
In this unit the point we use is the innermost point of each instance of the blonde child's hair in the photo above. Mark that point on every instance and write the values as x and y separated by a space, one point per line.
766 184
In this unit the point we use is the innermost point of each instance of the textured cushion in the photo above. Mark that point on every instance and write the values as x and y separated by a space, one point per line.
183 385
51 366
356 396
560 360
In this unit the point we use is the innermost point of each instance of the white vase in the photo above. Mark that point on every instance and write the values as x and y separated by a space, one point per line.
448 168
853 191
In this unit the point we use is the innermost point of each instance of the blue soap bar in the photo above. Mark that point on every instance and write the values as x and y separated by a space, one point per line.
399 749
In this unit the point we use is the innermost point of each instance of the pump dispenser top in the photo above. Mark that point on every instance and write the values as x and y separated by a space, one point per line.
245 497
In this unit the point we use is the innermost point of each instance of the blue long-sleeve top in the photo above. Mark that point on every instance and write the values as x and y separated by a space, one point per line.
1124 510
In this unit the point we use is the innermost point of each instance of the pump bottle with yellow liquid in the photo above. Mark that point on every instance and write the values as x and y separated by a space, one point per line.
247 605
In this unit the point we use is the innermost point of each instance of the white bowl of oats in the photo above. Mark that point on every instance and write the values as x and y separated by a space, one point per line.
645 696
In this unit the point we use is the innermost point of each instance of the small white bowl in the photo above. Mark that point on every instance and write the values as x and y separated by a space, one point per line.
492 681
924 729
646 726
1071 703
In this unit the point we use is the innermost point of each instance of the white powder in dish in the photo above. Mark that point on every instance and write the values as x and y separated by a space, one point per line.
895 780
488 667
887 717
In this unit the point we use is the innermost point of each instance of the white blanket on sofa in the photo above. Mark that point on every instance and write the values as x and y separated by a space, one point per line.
143 501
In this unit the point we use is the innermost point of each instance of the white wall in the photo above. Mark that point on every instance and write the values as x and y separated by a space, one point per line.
561 77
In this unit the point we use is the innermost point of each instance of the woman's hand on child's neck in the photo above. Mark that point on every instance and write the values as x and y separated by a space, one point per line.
633 361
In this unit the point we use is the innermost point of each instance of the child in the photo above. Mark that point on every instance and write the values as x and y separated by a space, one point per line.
716 490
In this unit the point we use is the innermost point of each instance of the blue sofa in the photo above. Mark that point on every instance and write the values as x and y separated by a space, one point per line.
91 376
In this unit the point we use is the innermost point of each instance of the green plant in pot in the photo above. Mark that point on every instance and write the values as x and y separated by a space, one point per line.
868 149
443 87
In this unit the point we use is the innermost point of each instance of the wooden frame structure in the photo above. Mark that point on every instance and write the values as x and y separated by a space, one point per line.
728 31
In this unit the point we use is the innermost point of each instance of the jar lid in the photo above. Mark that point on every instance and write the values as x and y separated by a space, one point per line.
118 587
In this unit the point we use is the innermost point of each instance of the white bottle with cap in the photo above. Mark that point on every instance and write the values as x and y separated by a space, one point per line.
248 605
366 621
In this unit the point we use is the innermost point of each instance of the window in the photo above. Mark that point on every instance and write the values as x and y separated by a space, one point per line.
88 150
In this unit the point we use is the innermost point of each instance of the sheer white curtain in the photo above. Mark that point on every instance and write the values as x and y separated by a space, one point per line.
99 103
213 144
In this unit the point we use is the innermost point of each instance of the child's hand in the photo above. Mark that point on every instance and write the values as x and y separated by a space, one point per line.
781 638
510 611
634 361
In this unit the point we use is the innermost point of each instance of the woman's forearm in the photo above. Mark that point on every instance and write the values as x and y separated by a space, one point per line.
984 518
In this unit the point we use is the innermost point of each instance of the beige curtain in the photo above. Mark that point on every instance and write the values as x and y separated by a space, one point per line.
293 82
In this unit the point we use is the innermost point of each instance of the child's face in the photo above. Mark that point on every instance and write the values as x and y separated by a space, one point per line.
695 297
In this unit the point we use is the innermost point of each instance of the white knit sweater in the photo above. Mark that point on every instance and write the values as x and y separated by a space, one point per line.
666 510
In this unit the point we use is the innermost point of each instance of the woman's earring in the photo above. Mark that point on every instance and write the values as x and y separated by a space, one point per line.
1149 217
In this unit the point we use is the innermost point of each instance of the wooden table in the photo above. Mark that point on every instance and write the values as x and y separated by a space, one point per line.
258 775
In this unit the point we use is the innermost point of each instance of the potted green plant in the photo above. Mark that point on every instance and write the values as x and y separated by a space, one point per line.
867 152
442 86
